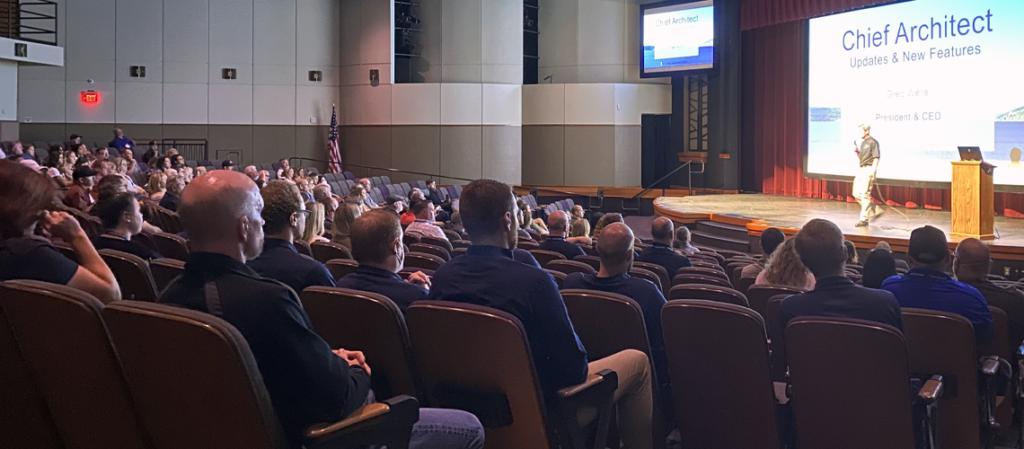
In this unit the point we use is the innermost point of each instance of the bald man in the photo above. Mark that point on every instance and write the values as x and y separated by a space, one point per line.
558 231
972 262
308 383
221 213
660 252
616 249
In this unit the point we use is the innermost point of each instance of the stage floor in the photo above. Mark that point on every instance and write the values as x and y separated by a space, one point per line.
761 211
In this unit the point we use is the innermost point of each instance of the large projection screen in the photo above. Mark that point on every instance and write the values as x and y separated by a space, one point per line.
927 76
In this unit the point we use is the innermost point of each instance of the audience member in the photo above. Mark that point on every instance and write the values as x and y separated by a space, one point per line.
129 159
73 142
120 141
616 249
879 266
771 238
851 253
900 263
226 165
252 173
394 204
577 212
972 261
457 226
314 231
284 221
344 217
682 243
558 224
580 228
322 195
157 186
282 167
928 286
200 171
487 275
172 196
526 225
377 246
152 151
102 155
660 252
171 152
308 383
434 194
122 220
25 200
605 220
303 186
424 225
367 187
820 246
784 268
79 196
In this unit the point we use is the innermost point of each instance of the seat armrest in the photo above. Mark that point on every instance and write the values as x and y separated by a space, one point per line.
990 365
932 389
384 423
597 392
601 378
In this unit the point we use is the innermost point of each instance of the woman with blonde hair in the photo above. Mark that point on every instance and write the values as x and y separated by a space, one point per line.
605 220
784 268
580 228
341 228
157 186
314 231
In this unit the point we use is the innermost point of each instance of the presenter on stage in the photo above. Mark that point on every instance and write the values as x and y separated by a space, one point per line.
868 154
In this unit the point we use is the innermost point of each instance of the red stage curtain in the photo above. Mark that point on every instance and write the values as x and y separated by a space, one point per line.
776 56
760 13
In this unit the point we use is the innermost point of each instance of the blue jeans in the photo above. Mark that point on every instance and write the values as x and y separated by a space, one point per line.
443 428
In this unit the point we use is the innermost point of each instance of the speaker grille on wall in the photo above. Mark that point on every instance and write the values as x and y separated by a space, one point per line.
316 76
137 71
229 74
20 50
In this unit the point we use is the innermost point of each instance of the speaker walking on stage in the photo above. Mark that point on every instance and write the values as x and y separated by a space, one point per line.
868 153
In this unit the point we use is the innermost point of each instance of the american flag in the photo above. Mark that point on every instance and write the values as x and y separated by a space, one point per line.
335 165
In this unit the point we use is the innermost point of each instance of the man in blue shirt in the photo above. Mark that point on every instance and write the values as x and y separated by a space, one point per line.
660 252
558 230
120 141
487 275
377 246
821 249
616 249
284 217
928 286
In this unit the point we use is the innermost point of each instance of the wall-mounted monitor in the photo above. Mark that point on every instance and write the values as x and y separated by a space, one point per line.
676 37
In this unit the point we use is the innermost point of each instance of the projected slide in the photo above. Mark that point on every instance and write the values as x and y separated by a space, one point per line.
679 37
926 76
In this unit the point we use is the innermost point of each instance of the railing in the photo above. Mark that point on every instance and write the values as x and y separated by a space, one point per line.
190 149
32 21
300 160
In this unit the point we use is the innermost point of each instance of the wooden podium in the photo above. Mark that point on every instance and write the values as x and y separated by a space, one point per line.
973 198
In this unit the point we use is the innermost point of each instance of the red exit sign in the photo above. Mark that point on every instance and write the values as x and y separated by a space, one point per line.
90 97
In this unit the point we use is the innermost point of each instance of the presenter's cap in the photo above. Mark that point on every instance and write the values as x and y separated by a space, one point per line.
928 245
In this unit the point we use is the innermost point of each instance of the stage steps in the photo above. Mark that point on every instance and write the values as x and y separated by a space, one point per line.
721 235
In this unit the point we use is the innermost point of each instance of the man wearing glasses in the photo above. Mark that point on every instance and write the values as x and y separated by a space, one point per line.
284 216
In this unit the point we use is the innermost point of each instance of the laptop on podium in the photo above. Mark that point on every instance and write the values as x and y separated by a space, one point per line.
974 154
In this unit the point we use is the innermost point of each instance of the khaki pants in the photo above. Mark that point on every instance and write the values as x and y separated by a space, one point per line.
634 400
862 185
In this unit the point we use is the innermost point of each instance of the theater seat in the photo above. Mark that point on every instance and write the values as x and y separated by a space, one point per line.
24 418
461 243
850 380
175 358
436 241
370 323
326 251
543 257
132 274
171 246
340 268
708 292
758 295
558 276
423 261
648 275
65 345
492 376
303 248
593 261
721 375
688 278
528 245
164 271
943 343
570 267
431 249
660 271
704 271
